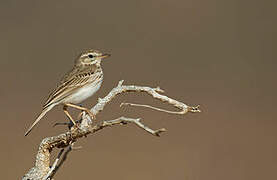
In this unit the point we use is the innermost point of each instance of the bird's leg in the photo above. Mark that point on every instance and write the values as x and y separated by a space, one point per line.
91 115
68 115
80 114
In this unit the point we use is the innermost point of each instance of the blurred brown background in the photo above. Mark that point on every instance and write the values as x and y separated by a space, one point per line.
217 53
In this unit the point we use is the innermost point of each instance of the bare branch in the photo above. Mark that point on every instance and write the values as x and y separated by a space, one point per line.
154 92
54 166
123 120
151 107
42 169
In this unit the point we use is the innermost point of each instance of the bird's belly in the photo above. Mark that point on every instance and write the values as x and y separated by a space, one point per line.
83 93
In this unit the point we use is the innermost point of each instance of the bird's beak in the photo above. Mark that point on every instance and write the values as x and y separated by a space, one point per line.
105 56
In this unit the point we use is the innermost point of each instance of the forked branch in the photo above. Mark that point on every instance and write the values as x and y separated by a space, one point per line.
42 168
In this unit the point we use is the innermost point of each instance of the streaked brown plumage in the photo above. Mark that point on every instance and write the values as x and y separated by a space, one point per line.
77 85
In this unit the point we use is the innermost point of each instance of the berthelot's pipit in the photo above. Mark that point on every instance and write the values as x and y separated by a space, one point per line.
77 85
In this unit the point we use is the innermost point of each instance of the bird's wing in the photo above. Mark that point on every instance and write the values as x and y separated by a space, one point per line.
71 82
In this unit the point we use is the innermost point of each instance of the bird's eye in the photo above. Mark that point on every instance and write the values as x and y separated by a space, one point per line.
90 56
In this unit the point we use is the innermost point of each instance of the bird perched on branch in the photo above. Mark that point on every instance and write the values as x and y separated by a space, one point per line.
77 85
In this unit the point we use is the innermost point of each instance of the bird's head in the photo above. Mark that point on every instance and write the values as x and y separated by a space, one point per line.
90 57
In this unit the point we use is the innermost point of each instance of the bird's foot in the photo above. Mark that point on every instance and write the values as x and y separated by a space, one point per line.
91 115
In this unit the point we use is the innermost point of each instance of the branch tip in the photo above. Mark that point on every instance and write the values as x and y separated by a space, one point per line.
120 83
159 131
194 109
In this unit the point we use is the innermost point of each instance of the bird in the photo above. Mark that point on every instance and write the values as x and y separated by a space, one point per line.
80 83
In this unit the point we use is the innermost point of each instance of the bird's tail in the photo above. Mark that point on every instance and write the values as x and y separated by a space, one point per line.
44 111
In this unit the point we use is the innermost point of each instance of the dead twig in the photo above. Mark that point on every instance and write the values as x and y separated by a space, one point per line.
42 169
